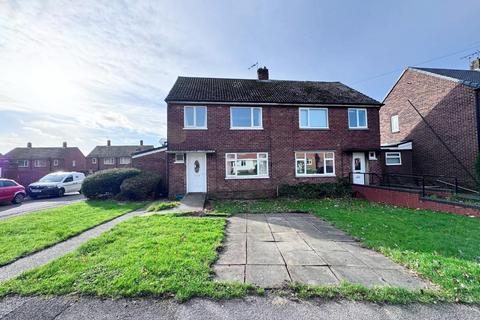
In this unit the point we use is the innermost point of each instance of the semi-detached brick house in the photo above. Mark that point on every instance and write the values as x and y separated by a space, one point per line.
246 137
449 101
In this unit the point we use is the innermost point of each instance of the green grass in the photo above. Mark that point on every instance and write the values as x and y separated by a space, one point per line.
442 247
29 233
162 205
144 256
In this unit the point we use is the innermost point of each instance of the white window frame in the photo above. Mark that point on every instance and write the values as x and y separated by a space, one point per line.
23 163
358 127
372 155
308 118
306 175
395 123
55 162
94 160
109 162
393 155
74 163
194 127
122 160
251 127
37 164
179 159
258 176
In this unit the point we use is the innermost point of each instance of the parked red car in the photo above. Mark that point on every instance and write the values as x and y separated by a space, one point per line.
11 191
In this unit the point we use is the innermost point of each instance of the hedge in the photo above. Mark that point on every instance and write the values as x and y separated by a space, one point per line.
146 185
106 183
314 190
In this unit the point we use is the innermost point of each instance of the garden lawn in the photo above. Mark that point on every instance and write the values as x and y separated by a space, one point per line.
143 256
442 247
32 232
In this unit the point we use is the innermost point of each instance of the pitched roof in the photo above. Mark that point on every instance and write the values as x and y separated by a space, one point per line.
39 153
469 78
192 89
116 151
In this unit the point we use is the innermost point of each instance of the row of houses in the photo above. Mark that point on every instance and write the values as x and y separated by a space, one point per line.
247 137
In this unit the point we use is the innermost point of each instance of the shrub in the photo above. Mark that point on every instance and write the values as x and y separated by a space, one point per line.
106 183
316 190
143 186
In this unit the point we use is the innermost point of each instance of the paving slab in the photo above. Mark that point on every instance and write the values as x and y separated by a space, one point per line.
342 258
259 252
302 258
267 276
399 278
233 253
312 275
230 272
358 275
292 246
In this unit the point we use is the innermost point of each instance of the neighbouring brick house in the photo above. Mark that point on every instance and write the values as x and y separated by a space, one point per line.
27 165
109 157
246 137
449 102
152 160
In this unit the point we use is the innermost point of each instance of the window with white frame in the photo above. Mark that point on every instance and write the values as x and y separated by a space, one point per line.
195 117
94 160
315 163
125 160
40 163
313 118
393 158
74 163
246 117
109 161
395 124
357 118
246 165
179 157
23 163
55 162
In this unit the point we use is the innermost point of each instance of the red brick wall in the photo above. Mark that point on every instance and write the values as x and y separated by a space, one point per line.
155 162
449 108
410 200
101 166
280 137
405 168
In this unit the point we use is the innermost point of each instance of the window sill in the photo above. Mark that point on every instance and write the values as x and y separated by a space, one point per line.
195 128
245 128
315 175
357 129
179 162
245 178
314 129
396 164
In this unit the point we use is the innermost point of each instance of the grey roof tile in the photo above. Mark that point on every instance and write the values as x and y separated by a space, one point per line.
469 78
116 151
39 153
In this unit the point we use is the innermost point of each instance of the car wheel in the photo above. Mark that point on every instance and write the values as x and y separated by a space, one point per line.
18 198
61 192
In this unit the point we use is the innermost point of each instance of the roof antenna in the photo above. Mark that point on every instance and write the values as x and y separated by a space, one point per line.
470 56
253 65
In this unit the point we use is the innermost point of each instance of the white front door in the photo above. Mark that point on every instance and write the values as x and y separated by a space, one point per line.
358 167
196 172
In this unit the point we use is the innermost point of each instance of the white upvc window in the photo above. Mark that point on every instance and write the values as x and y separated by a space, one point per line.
179 157
395 124
195 117
40 163
357 118
246 165
315 163
94 160
313 118
74 163
249 118
23 163
109 161
124 160
393 158
55 162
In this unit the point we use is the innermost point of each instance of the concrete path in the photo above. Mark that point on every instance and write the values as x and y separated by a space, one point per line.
270 250
29 206
40 258
269 307
192 202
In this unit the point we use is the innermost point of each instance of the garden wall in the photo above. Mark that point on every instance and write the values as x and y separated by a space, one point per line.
411 199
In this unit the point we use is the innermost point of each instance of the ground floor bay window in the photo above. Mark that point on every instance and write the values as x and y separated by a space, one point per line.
315 163
246 165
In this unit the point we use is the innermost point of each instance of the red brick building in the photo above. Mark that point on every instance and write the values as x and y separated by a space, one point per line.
109 157
445 141
152 160
245 138
27 165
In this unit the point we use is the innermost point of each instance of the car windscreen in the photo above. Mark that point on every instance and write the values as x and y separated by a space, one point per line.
52 178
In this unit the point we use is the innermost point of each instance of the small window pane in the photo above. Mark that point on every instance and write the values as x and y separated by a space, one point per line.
329 166
201 117
262 155
189 117
352 118
318 118
362 118
262 167
300 155
246 167
304 118
300 166
241 117
256 117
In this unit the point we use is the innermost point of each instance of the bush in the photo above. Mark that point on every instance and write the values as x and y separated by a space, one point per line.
316 190
146 185
106 183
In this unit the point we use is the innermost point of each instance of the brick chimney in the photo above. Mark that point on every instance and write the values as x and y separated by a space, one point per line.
109 143
64 144
141 142
475 64
262 73
29 145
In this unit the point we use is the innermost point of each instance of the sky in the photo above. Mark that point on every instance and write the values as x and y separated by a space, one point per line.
91 70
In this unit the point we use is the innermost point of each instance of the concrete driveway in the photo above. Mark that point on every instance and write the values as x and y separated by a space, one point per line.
29 205
269 250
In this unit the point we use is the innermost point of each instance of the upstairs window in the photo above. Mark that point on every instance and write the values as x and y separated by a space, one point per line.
313 118
94 160
195 117
246 165
357 118
74 163
393 159
246 118
55 162
39 163
317 163
394 123
109 161
23 163
125 160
